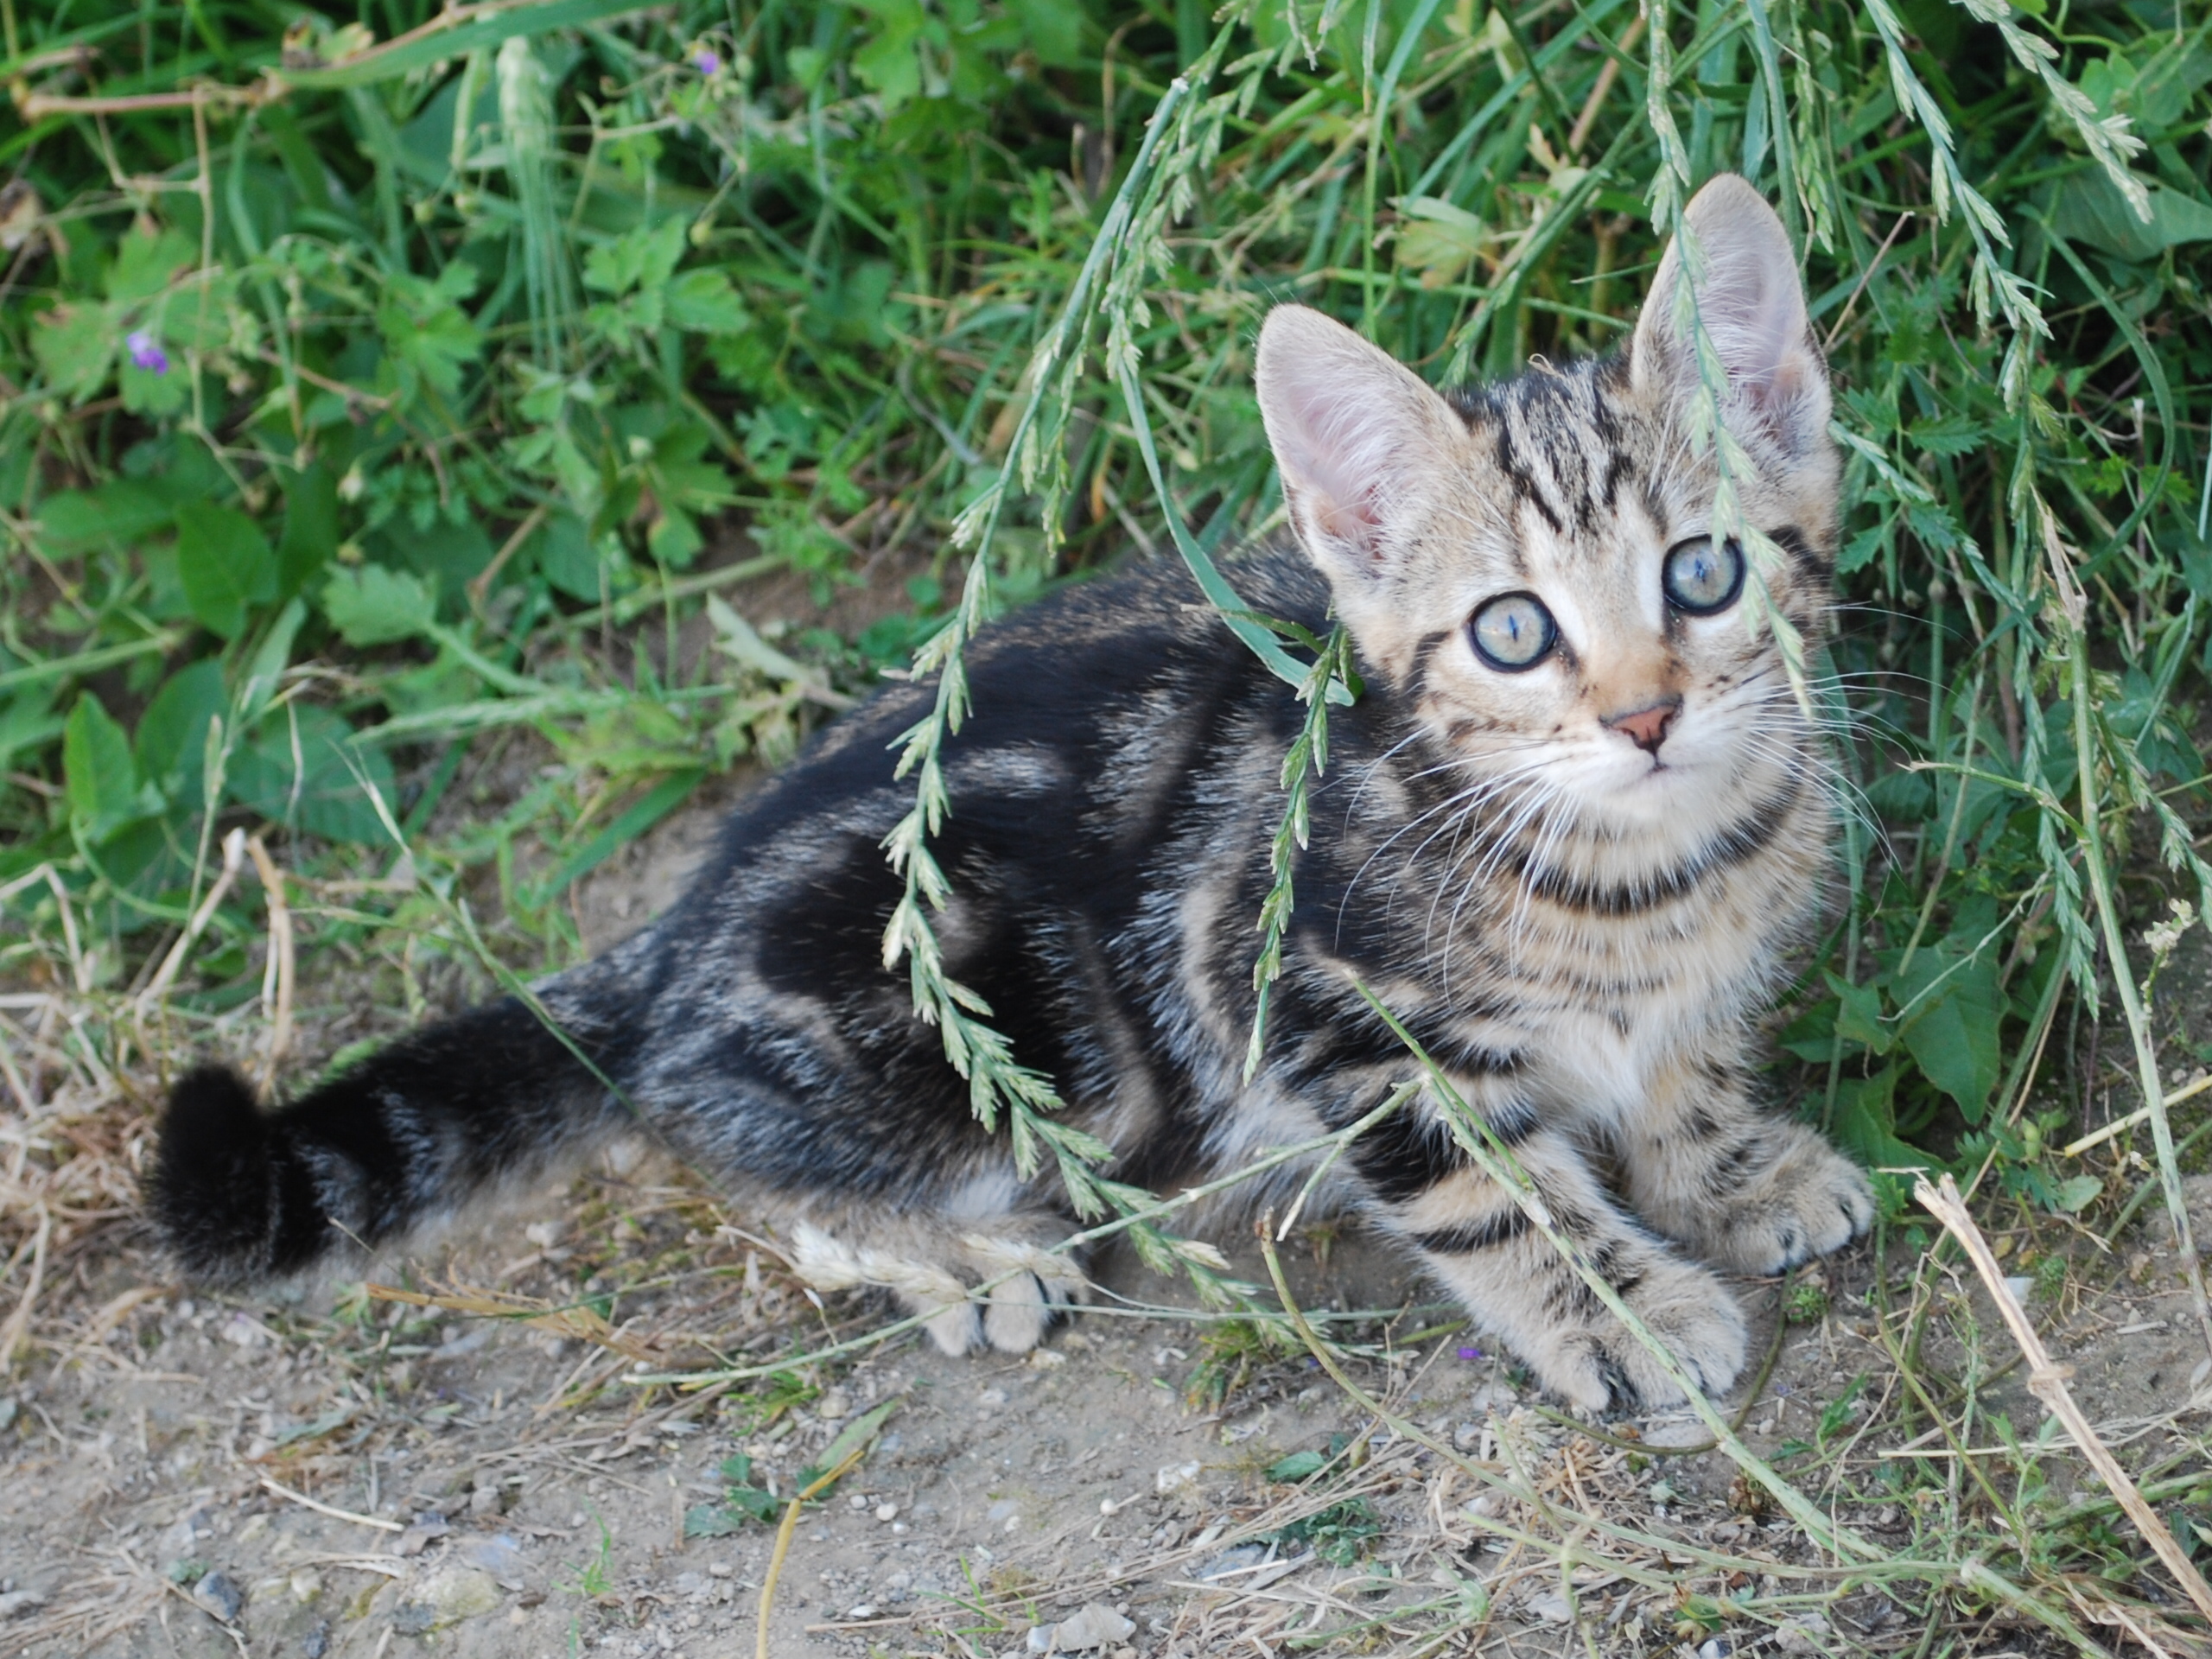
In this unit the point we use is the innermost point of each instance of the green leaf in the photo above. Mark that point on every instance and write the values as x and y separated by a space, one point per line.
1859 1018
294 770
100 779
1864 1124
29 722
172 737
2077 1192
854 1435
712 1521
1054 30
119 514
224 563
644 259
1299 1465
2091 209
561 546
1953 1036
424 328
75 347
705 302
146 261
371 605
310 528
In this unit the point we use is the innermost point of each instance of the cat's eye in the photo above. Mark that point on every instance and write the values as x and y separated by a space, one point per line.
1701 578
1513 632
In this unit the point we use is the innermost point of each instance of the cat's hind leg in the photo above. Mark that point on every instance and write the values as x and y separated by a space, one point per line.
997 1283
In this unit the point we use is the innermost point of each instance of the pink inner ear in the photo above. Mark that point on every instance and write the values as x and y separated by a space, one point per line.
1351 521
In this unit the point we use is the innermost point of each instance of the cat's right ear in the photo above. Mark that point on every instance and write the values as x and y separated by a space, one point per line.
1356 435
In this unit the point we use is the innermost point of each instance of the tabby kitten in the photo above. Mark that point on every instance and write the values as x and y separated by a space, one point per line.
1568 835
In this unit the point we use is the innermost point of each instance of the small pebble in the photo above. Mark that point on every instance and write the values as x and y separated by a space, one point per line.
719 1569
217 1594
887 1511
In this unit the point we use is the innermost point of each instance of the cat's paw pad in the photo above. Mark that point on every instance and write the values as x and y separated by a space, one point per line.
1602 1366
1808 1202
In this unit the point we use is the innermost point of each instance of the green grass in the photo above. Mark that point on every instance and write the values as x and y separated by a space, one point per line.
401 414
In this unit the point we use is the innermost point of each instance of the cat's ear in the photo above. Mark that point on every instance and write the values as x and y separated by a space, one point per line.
1356 435
1752 306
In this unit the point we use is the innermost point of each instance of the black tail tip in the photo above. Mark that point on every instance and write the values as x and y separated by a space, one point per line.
211 1192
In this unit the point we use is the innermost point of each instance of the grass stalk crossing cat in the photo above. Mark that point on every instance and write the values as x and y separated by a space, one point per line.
1568 836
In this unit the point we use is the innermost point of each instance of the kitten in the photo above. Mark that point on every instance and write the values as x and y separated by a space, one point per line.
1569 835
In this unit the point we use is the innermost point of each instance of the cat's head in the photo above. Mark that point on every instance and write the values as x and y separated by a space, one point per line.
1528 564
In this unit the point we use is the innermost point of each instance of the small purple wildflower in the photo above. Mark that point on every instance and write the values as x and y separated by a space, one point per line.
1471 1353
146 352
706 61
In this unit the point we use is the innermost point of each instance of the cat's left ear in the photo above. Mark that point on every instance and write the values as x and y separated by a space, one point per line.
1358 437
1752 305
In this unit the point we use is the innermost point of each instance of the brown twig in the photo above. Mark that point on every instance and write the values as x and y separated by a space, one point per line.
2047 1382
1607 76
482 583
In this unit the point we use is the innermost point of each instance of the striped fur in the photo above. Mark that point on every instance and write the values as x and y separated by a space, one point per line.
1579 925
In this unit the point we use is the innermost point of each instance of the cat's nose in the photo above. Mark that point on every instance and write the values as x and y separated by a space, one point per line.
1647 728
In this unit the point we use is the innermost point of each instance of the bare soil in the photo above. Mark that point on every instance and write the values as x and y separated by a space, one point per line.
327 1473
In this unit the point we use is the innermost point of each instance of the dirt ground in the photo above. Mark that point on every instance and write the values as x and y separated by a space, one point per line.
328 1473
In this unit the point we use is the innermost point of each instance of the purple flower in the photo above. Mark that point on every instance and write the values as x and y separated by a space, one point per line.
1471 1353
146 352
706 61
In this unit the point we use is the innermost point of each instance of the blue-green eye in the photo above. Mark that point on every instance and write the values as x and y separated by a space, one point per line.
1513 632
1701 578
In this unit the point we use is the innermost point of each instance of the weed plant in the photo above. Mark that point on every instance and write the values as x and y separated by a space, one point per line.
386 393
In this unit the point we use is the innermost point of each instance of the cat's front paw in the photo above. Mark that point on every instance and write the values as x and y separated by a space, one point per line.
1598 1365
1807 1202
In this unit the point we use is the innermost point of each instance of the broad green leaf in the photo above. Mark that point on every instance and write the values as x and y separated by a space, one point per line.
100 779
644 259
172 737
224 563
75 345
704 302
372 605
2077 1192
27 723
1437 239
2091 209
294 771
1859 1018
310 534
1299 1465
425 330
120 513
146 261
1054 29
561 546
1953 1036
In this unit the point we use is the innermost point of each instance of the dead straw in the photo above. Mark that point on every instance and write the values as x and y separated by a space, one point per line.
2047 1382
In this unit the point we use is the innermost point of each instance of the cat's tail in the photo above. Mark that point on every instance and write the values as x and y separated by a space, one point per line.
402 1137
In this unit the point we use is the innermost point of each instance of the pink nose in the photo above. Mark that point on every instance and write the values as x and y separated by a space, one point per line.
1647 728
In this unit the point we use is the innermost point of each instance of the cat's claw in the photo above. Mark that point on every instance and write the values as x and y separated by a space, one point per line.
1809 1202
1602 1367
